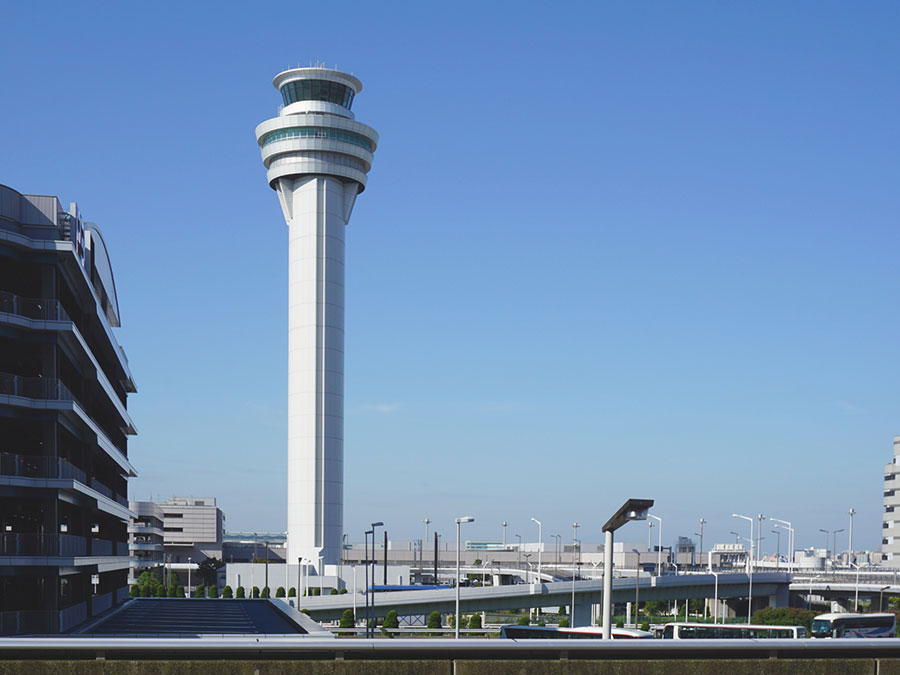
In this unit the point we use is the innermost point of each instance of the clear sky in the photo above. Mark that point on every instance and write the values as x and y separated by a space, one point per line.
607 250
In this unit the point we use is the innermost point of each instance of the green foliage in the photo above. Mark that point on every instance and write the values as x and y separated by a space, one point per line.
451 620
542 623
477 561
208 570
172 592
227 592
317 591
305 611
656 608
524 621
645 626
620 624
784 616
562 610
212 592
159 591
134 591
391 620
348 620
265 592
279 592
564 622
149 584
240 592
255 592
292 592
475 621
179 591
434 620
200 591
334 591
343 591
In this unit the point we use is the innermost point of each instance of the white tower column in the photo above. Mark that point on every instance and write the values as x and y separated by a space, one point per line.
317 159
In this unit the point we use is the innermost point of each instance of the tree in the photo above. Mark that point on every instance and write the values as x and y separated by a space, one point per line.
227 592
209 570
334 591
475 621
451 620
265 592
477 562
146 591
292 592
391 620
240 593
179 591
212 592
200 591
434 620
279 592
620 624
645 626
172 591
564 622
347 619
343 591
255 592
134 591
784 616
524 620
562 610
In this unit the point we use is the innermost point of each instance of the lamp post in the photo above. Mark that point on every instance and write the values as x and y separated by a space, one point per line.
637 583
881 597
575 527
366 564
650 525
370 588
633 509
503 525
786 525
558 539
426 521
459 522
856 596
519 550
703 522
851 513
540 545
189 578
749 566
659 544
716 597
759 518
777 533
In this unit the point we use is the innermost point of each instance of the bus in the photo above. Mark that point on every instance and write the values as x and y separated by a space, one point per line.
729 631
854 626
515 632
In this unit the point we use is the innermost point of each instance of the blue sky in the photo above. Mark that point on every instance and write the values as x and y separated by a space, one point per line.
608 250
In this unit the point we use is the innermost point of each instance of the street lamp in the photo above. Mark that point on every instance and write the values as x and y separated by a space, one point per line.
716 597
540 545
558 539
459 522
370 588
637 583
504 524
881 597
703 522
759 518
633 509
519 550
426 521
189 578
851 512
786 525
777 533
659 545
650 525
575 527
749 565
856 596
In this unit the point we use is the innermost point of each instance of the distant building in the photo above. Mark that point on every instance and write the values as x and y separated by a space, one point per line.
145 536
890 523
64 423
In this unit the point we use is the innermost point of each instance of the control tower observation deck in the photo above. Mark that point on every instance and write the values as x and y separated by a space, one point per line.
317 157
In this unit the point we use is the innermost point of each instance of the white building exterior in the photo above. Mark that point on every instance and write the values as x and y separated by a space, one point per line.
317 158
890 532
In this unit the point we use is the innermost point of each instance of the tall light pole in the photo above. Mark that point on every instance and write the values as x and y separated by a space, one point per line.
759 519
519 549
575 527
426 521
540 545
659 545
372 586
633 509
716 597
637 583
504 524
777 549
459 522
851 513
703 522
786 525
856 597
650 525
558 540
576 545
749 566
189 578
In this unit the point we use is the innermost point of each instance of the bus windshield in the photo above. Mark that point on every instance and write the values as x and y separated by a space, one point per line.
821 628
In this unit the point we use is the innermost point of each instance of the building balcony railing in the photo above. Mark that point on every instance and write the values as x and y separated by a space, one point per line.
32 308
31 466
25 544
43 388
101 547
27 622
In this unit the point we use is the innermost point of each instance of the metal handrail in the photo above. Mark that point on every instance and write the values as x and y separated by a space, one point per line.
32 308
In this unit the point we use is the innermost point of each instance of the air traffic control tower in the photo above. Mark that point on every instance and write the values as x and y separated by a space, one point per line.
316 156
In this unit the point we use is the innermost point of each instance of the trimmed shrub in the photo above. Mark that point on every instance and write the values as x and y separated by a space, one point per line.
279 592
784 616
292 592
305 611
265 592
255 592
172 592
227 592
317 591
524 621
620 624
564 622
391 620
475 621
645 626
343 591
561 610
347 619
179 591
134 591
542 623
200 591
333 591
212 592
451 620
240 592
146 591
434 620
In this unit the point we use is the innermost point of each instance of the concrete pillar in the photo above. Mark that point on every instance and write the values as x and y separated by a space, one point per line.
582 615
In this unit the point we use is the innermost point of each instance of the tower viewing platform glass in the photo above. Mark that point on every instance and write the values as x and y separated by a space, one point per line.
317 157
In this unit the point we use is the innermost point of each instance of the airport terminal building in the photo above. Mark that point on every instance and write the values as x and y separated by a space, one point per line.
64 423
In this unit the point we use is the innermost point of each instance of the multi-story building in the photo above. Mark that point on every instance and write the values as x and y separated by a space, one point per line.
64 423
890 524
176 531
145 536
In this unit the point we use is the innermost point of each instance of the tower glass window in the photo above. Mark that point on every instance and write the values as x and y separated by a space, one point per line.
317 90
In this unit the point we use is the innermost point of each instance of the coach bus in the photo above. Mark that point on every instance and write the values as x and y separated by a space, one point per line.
854 626
729 631
515 632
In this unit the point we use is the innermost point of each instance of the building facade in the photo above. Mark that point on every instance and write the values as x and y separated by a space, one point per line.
317 157
64 422
890 523
176 532
145 537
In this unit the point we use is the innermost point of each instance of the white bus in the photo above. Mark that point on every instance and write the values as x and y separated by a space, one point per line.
854 626
729 631
516 632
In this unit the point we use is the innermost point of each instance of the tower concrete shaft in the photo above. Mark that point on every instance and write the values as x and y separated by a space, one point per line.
317 158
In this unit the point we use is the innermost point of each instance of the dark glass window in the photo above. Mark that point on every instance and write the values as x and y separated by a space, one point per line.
317 90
